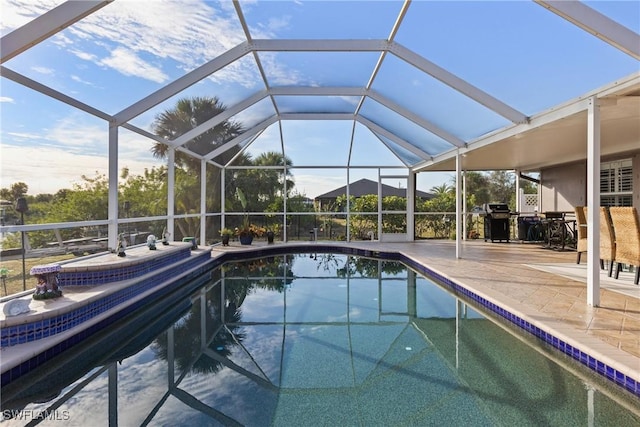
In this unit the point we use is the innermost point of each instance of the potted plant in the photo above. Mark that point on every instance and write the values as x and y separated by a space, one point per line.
226 234
247 231
271 232
270 236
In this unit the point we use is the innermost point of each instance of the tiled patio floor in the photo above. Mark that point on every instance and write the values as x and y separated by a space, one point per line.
499 272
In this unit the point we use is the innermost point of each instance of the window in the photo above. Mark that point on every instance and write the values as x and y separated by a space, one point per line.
616 183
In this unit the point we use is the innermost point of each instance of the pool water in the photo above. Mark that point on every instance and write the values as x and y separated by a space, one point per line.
320 339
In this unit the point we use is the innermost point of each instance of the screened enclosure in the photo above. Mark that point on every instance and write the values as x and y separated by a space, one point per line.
216 115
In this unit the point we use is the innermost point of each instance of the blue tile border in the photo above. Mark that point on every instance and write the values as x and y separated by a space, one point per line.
77 277
24 333
610 373
630 384
179 288
19 334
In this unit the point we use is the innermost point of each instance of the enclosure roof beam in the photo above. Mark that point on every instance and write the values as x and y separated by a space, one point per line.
458 84
376 129
596 23
325 45
238 139
52 93
182 83
46 25
318 91
428 125
216 120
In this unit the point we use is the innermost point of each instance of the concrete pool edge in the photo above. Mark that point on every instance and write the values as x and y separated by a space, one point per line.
19 359
621 371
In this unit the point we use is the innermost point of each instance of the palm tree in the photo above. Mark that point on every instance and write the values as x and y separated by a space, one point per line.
186 115
443 188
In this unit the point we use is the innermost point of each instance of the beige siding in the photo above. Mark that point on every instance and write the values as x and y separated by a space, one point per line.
564 187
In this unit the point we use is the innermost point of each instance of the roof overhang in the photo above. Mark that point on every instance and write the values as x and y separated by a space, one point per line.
556 136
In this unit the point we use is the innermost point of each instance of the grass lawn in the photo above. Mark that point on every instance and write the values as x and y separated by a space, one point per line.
14 278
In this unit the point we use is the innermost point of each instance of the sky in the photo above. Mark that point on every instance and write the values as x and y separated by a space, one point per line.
516 51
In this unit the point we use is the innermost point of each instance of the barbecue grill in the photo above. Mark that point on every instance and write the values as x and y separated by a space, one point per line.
496 222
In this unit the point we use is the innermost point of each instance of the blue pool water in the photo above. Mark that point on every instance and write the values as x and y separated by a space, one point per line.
315 339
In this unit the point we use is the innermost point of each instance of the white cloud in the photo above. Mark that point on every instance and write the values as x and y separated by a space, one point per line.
23 136
53 168
278 23
17 13
138 39
50 168
7 99
84 55
128 63
57 157
80 80
43 70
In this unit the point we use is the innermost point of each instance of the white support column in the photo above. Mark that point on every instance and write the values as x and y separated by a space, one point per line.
411 206
171 380
348 209
112 391
458 207
113 187
171 191
285 205
203 318
593 202
518 204
464 206
379 206
223 222
203 202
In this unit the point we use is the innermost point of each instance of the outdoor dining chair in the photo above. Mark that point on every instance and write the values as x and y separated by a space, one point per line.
607 240
581 230
626 227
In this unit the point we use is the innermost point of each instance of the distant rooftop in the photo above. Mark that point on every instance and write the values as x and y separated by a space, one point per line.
365 186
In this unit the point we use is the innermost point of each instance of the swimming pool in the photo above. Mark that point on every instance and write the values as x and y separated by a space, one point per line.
316 339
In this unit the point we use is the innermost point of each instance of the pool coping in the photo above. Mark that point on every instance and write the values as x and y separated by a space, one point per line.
112 301
621 370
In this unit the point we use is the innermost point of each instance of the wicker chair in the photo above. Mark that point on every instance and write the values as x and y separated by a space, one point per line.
607 240
581 226
626 227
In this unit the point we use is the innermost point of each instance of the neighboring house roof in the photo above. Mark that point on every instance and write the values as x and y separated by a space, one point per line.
366 186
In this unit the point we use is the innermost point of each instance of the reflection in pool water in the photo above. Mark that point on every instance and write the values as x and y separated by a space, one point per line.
320 339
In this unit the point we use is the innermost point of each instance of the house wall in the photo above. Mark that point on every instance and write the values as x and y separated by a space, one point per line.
564 187
636 181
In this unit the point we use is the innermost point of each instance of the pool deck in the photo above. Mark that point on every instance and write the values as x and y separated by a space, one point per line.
515 276
503 273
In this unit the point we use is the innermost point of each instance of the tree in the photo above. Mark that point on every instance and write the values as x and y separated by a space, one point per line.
442 189
13 193
478 185
440 222
264 189
185 116
502 186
